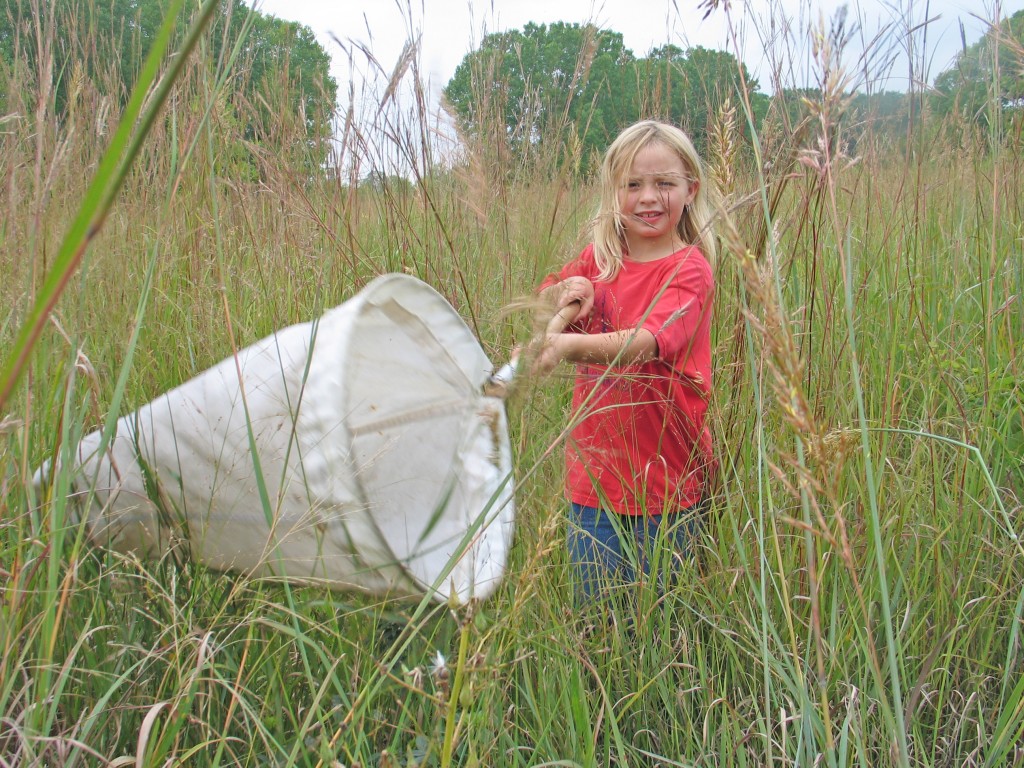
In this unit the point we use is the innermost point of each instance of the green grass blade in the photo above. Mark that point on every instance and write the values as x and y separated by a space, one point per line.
138 118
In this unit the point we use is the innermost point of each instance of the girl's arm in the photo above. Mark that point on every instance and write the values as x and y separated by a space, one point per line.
620 347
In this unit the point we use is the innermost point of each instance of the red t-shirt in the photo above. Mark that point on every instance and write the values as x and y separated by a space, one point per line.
640 444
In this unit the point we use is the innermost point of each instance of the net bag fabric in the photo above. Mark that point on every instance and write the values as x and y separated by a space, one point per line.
357 451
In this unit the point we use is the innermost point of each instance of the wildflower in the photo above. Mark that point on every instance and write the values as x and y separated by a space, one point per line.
439 672
439 669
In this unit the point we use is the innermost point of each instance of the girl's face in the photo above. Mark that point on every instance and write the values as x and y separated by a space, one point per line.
652 198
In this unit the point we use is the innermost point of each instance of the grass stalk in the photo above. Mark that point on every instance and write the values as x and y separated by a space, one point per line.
448 745
136 122
893 710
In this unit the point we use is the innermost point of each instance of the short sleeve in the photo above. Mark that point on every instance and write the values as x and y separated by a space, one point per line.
582 266
681 310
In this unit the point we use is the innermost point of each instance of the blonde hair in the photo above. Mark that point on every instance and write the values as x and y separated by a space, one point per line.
608 234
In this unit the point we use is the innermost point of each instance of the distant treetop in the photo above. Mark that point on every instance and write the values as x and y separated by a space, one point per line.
992 66
579 85
280 67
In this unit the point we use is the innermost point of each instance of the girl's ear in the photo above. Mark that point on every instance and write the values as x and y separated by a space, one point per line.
694 188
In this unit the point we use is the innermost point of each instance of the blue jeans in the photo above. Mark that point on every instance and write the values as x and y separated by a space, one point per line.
608 548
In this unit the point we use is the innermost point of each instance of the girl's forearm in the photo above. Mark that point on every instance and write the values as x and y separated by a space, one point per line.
620 347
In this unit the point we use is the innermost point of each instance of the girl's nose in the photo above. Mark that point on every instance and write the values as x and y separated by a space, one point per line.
649 191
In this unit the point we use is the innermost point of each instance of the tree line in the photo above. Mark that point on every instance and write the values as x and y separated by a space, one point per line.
546 80
580 85
571 84
273 65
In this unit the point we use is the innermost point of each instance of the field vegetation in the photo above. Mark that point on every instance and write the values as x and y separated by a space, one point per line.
859 596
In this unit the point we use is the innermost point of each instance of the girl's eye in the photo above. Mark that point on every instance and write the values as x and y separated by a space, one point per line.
666 184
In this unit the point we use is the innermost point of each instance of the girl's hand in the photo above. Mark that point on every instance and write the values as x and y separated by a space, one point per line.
572 289
546 353
550 347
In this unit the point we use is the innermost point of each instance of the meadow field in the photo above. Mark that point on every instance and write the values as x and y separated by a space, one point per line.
859 595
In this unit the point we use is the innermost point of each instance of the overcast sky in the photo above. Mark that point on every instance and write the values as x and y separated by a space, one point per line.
449 29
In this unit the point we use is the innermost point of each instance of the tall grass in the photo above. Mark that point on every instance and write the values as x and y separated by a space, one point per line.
859 597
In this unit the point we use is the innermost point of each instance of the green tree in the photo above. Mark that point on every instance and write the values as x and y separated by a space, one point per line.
580 86
969 86
563 82
281 68
283 56
688 87
887 113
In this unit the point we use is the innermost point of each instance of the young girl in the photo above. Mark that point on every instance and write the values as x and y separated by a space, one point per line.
639 455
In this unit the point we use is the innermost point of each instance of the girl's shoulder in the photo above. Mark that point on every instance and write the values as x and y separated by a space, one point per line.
694 262
584 264
691 255
685 270
587 255
686 265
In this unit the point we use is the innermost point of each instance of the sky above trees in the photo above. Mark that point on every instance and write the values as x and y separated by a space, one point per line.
449 29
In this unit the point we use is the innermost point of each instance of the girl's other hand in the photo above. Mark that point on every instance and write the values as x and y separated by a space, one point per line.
546 353
550 346
572 289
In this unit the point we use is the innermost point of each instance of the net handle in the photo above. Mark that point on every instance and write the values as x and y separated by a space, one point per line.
500 383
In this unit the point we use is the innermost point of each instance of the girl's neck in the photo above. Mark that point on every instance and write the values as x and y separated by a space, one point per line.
648 251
